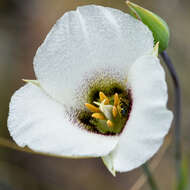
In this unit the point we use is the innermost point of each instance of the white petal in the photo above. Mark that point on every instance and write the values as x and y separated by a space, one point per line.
37 121
85 41
149 119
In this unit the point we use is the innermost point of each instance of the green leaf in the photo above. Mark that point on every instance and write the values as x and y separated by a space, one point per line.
156 24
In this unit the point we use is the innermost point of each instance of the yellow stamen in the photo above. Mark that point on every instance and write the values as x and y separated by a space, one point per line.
116 99
106 101
98 116
92 108
103 97
114 111
119 109
109 123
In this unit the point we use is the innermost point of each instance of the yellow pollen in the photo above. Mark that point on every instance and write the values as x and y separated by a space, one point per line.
98 116
116 99
92 108
109 123
103 97
114 111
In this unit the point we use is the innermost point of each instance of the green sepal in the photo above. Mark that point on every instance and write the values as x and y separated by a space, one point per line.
156 24
34 82
108 162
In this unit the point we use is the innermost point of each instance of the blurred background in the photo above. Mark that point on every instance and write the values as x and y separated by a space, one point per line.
23 26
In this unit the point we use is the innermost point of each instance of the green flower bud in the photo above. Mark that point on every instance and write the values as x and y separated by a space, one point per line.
156 24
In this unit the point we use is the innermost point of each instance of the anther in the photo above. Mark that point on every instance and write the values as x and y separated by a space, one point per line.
92 108
109 123
116 99
119 109
114 111
103 97
98 116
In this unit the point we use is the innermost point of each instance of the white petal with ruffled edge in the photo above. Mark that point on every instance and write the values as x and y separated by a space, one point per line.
37 121
83 42
149 119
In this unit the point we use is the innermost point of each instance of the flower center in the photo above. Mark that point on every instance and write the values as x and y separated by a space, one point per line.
108 113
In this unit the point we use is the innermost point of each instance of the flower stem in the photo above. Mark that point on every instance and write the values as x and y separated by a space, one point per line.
150 178
177 112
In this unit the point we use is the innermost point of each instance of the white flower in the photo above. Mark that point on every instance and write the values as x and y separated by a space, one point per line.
88 51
